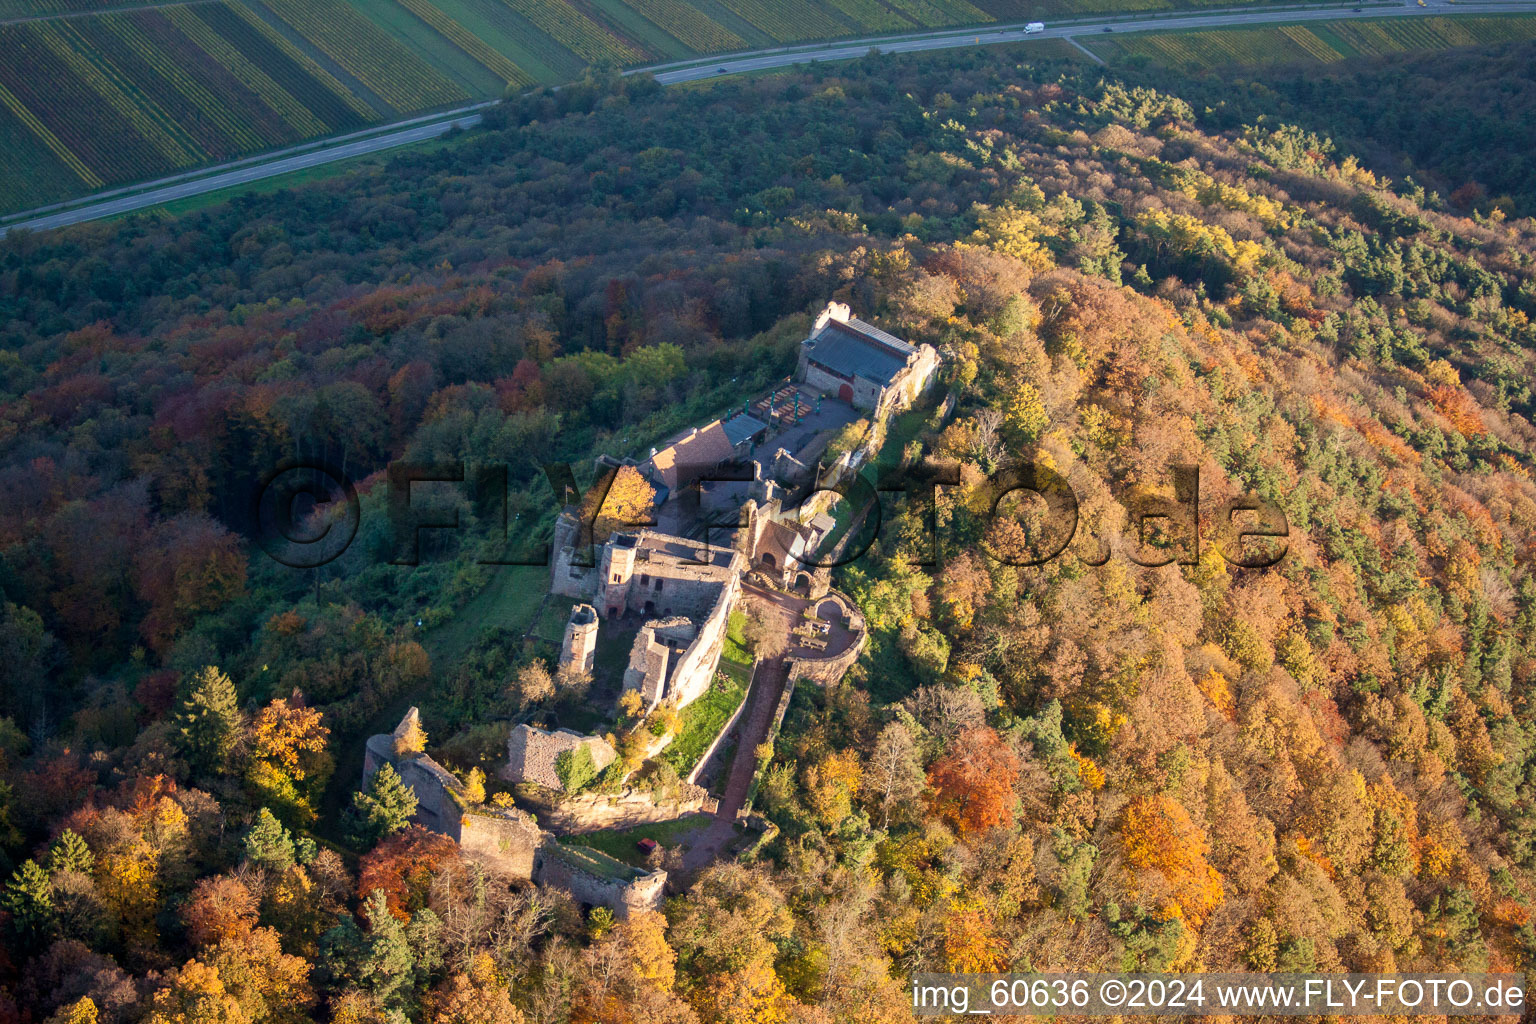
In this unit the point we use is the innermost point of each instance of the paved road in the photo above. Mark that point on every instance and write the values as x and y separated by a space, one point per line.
314 154
243 175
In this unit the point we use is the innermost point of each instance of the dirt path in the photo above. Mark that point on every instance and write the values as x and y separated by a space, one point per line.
768 681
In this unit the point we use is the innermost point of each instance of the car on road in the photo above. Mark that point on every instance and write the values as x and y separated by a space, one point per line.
720 71
1033 27
1108 29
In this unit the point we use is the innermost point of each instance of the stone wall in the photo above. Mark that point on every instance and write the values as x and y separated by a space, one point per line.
685 589
510 842
910 383
820 378
505 839
439 794
867 394
592 812
569 578
694 670
532 754
573 569
720 737
623 895
827 671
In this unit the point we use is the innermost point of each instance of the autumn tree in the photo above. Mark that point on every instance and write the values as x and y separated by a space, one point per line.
402 866
288 763
831 783
893 775
475 996
628 502
974 781
1025 416
632 972
189 566
533 684
222 907
724 932
410 737
242 980
1158 836
765 636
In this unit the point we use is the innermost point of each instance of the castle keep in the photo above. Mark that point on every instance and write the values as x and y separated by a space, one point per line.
863 365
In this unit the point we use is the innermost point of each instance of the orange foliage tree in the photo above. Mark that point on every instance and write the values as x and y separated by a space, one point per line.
1158 836
403 866
289 762
974 781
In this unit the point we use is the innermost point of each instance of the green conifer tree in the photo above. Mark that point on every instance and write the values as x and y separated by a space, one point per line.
268 844
28 898
208 724
69 852
383 809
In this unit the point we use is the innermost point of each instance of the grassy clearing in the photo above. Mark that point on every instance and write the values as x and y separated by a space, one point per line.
593 861
510 601
551 622
619 844
735 649
702 721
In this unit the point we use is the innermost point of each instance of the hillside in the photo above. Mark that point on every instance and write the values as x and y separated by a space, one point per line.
172 87
1323 764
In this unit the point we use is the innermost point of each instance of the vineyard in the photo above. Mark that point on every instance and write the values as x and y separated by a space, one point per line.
1321 42
113 94
118 92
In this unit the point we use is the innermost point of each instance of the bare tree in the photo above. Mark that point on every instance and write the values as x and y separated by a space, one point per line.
765 639
894 770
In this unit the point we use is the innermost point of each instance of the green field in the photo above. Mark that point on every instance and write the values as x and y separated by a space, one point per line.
620 843
1320 42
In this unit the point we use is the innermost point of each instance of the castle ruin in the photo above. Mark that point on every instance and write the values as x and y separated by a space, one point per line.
509 840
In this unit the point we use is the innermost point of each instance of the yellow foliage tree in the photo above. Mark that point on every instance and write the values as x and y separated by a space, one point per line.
1157 835
1015 232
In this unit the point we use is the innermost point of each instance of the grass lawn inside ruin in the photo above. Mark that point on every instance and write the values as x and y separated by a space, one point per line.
703 719
620 843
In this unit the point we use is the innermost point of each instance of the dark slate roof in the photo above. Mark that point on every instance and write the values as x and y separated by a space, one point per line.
855 349
741 427
871 331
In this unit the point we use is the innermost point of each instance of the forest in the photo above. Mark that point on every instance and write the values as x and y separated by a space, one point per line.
1088 764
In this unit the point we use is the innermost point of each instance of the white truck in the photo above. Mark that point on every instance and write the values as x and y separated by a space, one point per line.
1033 27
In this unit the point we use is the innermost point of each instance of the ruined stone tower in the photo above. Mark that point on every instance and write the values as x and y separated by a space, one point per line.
579 650
617 568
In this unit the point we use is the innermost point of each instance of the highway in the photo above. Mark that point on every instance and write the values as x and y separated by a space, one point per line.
418 129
